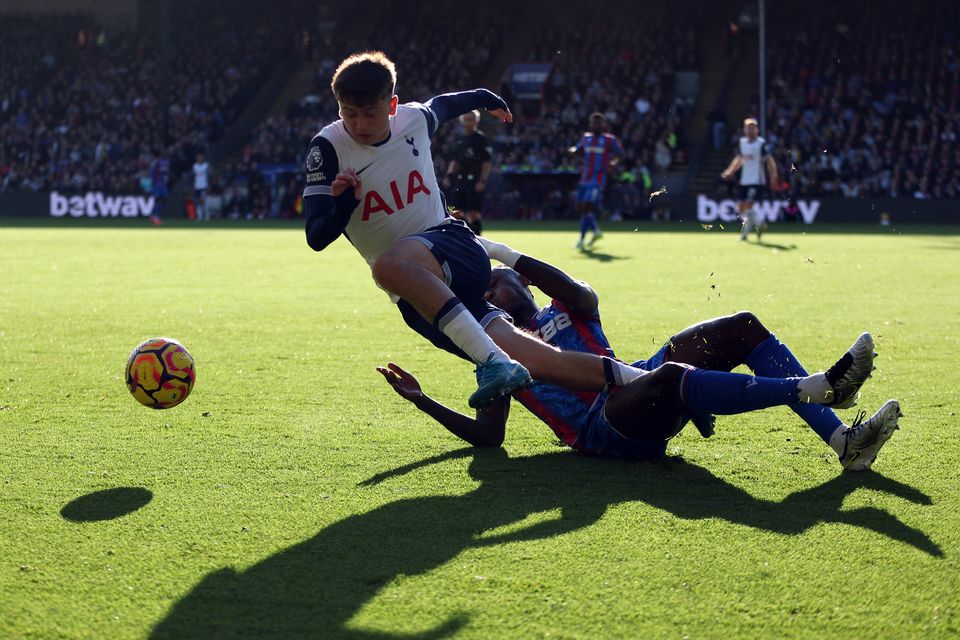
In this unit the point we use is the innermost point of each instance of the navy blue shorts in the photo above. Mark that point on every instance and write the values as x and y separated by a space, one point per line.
466 266
590 194
752 192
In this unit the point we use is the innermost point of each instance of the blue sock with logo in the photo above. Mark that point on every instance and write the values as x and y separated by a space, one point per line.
723 393
774 359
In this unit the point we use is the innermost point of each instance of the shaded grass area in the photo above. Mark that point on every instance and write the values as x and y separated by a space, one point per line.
293 495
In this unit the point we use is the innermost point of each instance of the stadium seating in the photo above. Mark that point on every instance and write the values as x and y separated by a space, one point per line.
467 41
858 105
622 66
866 105
88 114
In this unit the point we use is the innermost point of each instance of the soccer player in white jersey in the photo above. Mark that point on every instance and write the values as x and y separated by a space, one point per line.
201 170
751 160
370 176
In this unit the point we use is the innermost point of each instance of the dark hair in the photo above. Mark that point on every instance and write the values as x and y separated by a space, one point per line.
596 114
364 79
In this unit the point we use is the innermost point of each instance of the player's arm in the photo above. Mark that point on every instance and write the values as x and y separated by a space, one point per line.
453 105
576 295
616 152
328 199
451 171
484 174
486 430
772 172
733 167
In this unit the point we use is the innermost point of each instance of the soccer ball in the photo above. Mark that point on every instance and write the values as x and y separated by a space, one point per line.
160 373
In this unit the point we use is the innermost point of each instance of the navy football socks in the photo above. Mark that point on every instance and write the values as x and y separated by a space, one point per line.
723 393
774 359
586 223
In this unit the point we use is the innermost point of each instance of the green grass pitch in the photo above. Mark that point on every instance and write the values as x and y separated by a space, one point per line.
295 495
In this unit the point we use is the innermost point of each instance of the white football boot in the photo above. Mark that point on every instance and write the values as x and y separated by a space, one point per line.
861 441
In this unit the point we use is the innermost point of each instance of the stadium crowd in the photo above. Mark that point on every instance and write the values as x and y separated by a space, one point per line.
867 104
83 109
468 40
858 105
623 66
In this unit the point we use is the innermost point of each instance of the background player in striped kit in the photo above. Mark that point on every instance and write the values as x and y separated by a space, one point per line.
600 150
686 380
757 169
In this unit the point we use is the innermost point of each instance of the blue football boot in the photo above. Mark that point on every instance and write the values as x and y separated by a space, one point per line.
497 379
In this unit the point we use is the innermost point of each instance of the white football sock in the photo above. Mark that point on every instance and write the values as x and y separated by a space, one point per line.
619 374
838 440
465 332
814 389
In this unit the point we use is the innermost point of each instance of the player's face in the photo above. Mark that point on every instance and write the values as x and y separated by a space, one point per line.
508 292
751 131
369 124
596 125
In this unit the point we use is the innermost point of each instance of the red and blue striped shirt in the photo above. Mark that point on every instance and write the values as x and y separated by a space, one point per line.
598 151
561 409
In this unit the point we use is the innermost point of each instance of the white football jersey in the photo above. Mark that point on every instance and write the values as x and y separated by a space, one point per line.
200 170
399 191
752 155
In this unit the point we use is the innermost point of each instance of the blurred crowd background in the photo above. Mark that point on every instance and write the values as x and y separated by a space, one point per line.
860 102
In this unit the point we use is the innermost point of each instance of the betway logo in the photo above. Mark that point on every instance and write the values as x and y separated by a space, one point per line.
709 210
95 204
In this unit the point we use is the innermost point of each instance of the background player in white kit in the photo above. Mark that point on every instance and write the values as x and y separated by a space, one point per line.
370 176
201 181
757 170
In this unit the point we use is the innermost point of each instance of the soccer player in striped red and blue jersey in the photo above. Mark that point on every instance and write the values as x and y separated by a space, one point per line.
688 378
601 150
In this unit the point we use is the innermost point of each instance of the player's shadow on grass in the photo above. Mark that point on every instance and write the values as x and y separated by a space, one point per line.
106 504
314 588
599 256
765 244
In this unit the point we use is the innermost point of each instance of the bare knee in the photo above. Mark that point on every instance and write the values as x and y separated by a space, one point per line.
745 319
404 263
667 376
749 326
661 383
385 268
649 407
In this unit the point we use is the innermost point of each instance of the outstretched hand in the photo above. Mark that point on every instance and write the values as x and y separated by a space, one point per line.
503 115
402 382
